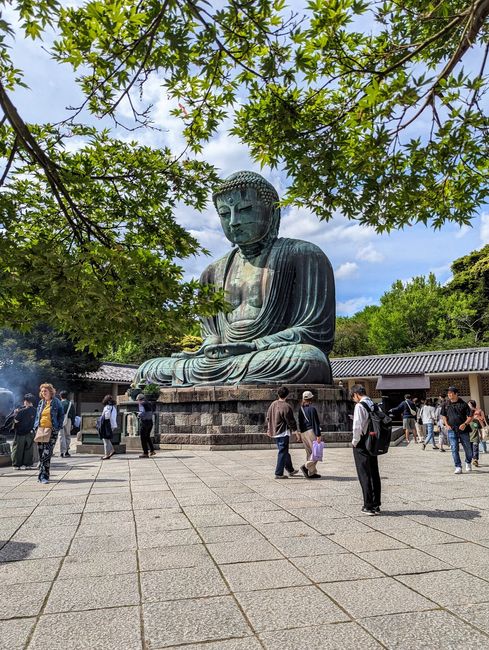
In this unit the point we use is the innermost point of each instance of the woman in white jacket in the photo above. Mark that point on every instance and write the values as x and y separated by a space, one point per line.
427 413
108 425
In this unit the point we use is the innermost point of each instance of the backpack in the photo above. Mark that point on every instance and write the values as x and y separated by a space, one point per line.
379 431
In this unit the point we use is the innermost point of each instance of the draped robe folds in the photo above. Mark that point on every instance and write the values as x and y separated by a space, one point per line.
293 331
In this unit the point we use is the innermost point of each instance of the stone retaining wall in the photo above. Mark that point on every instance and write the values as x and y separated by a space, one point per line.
235 415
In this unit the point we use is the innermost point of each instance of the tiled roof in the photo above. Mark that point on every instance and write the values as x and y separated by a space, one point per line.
443 362
113 373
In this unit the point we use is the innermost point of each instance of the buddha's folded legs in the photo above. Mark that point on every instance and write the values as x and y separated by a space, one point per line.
155 371
292 364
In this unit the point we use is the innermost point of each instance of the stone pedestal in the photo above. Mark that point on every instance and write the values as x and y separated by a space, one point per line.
234 416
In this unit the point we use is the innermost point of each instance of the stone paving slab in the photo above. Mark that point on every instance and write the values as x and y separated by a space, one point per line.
205 550
97 629
435 630
99 592
340 636
278 609
14 634
203 619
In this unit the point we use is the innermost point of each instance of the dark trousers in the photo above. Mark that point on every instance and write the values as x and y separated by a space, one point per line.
145 433
22 450
284 461
455 436
475 450
45 453
369 477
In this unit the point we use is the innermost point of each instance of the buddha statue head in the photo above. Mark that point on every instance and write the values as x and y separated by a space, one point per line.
247 205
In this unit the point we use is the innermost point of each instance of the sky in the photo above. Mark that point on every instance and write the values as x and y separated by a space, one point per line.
365 263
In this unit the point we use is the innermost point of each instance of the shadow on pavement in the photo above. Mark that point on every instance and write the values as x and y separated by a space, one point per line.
468 515
15 551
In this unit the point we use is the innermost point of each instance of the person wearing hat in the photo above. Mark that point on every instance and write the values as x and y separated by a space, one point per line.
310 431
145 415
457 416
23 444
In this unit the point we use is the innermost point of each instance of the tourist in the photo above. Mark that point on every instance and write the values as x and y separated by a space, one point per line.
108 425
427 414
65 432
23 444
442 429
145 415
480 416
281 425
456 416
367 466
420 430
408 409
475 430
49 416
310 431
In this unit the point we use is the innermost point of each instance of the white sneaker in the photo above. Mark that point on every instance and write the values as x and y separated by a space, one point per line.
458 470
468 467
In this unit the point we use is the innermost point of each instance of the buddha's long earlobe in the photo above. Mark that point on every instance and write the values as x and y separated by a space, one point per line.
275 221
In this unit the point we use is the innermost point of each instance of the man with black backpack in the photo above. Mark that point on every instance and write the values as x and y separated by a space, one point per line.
367 464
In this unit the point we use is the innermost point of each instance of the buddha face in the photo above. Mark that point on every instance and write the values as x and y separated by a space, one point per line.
245 218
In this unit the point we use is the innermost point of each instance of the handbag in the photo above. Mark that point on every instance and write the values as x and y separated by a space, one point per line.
65 419
317 451
43 434
485 433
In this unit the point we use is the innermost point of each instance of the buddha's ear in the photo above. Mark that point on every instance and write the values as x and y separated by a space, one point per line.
275 219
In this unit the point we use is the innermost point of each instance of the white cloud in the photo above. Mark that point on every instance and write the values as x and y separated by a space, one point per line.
369 254
462 231
484 231
346 270
300 223
351 306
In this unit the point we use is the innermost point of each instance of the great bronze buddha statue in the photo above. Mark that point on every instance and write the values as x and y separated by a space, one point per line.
281 326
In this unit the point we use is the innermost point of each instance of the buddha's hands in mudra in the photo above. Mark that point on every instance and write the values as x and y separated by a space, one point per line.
225 350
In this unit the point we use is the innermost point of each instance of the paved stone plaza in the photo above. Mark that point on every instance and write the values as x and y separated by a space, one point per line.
206 550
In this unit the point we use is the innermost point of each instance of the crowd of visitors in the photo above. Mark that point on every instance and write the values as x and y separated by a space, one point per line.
455 421
36 429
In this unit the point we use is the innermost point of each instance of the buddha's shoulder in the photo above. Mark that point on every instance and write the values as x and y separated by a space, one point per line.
300 247
217 267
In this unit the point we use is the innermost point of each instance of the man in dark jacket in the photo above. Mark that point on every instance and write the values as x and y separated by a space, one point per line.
22 448
457 416
145 415
408 409
281 425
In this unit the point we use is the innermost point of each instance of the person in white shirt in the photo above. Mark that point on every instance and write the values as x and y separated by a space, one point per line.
367 466
427 413
109 423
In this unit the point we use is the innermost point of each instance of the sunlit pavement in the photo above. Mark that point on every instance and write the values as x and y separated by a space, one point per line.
206 550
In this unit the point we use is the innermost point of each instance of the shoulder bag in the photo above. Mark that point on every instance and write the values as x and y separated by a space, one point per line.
43 434
65 419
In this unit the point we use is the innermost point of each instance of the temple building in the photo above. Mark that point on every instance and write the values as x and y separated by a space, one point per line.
423 374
